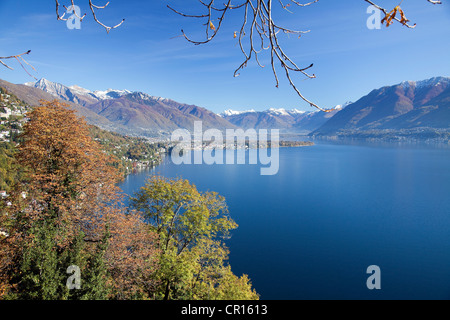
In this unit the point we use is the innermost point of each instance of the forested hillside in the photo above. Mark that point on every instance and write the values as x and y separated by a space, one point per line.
131 152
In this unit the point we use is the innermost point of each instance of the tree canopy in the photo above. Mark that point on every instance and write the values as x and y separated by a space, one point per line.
191 226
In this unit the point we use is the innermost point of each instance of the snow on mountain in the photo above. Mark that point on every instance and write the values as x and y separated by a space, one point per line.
80 90
278 112
296 112
147 97
229 113
110 94
342 106
432 82
53 88
281 112
273 111
62 91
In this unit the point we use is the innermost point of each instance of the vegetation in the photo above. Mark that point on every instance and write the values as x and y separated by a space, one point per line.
66 211
420 134
131 151
10 172
192 257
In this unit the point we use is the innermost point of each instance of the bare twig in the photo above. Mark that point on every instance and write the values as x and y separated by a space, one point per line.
258 23
93 8
262 31
20 59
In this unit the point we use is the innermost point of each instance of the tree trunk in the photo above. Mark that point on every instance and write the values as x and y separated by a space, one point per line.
166 294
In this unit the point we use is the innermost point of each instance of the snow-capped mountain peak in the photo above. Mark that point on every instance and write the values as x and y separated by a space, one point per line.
80 90
432 82
271 111
53 88
278 112
110 94
229 113
62 91
296 112
147 97
342 106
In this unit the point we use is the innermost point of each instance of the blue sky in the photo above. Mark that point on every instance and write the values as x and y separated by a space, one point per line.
144 54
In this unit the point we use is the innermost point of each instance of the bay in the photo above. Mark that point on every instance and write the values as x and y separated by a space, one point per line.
333 210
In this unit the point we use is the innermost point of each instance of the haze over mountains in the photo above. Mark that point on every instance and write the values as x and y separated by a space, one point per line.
408 105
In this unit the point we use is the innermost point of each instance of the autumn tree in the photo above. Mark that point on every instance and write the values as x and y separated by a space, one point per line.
9 171
68 211
191 226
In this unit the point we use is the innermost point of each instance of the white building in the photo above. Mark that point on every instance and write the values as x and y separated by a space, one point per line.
4 134
5 114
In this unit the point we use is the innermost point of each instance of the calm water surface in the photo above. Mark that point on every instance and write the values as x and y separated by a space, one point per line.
311 231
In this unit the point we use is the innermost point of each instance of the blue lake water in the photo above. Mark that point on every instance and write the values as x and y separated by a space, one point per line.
311 231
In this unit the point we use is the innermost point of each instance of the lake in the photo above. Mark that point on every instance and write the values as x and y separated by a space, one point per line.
333 210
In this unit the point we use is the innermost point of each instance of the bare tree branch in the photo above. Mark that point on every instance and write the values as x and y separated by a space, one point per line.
21 60
93 8
260 32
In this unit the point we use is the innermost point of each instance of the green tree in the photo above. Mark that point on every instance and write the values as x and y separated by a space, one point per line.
191 226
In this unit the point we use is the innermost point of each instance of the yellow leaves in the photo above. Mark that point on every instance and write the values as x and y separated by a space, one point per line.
212 26
391 16
3 289
235 35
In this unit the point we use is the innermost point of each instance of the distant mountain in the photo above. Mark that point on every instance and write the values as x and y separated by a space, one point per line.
407 105
138 112
75 93
292 121
32 96
270 119
314 120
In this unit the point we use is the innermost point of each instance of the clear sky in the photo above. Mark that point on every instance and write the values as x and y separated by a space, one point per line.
142 55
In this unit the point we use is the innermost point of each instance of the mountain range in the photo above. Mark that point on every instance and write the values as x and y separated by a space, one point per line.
408 105
405 106
289 121
143 114
136 112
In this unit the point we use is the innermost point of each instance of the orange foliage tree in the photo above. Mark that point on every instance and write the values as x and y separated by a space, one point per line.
69 211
